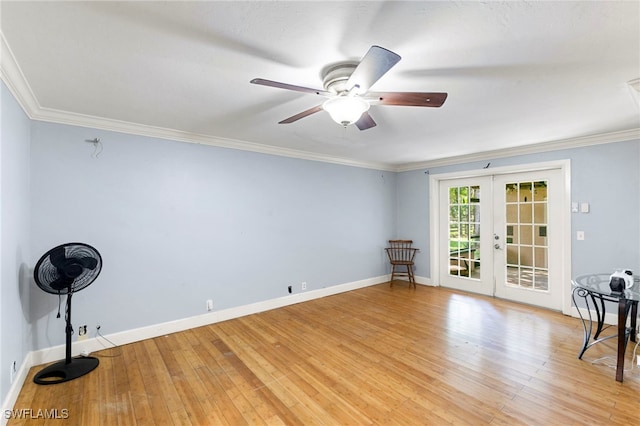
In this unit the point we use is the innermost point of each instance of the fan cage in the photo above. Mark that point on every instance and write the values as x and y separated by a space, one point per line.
47 273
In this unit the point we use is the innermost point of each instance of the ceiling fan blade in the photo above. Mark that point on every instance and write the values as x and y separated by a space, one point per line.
302 114
287 86
365 122
407 98
375 63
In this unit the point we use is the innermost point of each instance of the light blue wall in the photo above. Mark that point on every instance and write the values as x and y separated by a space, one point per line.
413 224
15 332
606 176
179 223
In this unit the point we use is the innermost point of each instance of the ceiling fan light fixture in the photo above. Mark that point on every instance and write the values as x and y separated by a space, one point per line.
345 110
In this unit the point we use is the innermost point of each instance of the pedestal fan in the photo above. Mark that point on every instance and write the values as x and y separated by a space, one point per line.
63 270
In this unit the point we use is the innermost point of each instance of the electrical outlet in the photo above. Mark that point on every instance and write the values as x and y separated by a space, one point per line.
12 372
209 305
82 333
304 285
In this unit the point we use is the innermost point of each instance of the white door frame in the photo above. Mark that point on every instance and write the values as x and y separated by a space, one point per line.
565 222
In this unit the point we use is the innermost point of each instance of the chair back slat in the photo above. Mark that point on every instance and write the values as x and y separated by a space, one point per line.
400 251
400 244
405 254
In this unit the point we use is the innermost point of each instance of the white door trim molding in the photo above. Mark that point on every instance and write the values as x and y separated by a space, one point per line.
565 231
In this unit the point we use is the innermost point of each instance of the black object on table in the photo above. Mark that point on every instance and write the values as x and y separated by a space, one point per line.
595 290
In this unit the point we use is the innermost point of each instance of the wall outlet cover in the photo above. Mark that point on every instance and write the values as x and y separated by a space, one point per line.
12 372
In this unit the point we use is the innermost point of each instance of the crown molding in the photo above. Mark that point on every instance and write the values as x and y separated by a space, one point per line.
93 122
12 75
555 145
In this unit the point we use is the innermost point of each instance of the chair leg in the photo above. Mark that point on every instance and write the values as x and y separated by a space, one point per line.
393 272
412 279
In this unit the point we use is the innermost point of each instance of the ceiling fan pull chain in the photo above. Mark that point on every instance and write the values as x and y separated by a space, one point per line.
354 90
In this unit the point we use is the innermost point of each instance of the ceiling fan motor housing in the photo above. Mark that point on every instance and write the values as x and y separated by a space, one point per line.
335 78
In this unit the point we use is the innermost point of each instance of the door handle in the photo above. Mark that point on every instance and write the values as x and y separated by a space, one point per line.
496 246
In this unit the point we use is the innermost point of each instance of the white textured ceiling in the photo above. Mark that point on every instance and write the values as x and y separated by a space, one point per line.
517 73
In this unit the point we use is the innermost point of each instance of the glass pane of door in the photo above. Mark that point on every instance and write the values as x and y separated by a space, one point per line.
464 231
526 247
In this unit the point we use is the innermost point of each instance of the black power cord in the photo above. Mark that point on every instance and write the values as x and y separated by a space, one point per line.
110 342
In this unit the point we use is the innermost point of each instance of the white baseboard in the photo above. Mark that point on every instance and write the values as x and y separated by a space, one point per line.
137 334
610 318
424 281
12 396
56 353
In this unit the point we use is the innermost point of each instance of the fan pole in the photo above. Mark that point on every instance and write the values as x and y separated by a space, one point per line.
70 368
68 329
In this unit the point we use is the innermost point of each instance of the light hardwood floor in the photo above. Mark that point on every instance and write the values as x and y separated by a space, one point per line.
377 355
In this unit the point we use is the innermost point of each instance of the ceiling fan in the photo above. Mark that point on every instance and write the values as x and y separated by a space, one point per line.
346 85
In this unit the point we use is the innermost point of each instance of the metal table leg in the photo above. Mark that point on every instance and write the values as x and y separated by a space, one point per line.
587 330
624 306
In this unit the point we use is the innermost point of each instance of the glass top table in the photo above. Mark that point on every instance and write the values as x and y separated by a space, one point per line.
595 291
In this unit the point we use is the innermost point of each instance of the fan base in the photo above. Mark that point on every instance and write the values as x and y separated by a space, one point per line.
63 371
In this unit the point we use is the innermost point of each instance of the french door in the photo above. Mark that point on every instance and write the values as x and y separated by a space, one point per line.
466 234
500 235
527 238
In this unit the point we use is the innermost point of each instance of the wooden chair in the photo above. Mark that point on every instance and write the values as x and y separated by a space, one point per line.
401 256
